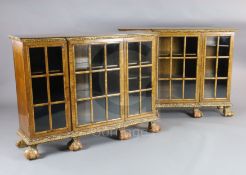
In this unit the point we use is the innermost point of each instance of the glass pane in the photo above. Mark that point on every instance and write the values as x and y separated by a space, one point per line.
97 56
225 40
113 82
191 46
210 67
178 47
55 59
190 89
190 68
37 60
146 101
39 90
146 78
98 83
83 112
99 109
56 88
209 88
58 116
113 55
133 79
113 107
41 118
223 67
134 103
177 89
146 52
177 68
164 68
164 46
221 89
83 85
133 54
81 57
212 41
224 51
163 89
211 49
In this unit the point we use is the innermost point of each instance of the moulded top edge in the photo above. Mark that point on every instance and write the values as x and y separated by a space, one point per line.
62 38
183 29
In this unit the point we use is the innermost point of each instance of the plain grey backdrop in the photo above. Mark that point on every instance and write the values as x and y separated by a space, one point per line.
210 145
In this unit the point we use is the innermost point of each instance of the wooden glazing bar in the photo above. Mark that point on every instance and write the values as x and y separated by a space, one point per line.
91 106
216 68
183 82
140 77
52 103
48 86
106 80
171 69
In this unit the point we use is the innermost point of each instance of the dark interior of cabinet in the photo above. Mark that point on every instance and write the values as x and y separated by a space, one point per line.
164 46
81 57
191 46
133 53
146 52
113 56
52 83
178 47
164 68
97 56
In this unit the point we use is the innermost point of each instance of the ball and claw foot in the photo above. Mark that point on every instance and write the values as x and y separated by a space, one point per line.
197 113
122 134
21 144
32 153
74 144
227 111
153 127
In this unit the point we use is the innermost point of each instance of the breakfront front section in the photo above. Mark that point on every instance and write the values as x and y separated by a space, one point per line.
112 83
217 69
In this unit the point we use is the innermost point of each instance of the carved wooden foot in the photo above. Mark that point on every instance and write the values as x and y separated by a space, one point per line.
32 152
122 134
21 144
197 113
227 111
153 127
74 144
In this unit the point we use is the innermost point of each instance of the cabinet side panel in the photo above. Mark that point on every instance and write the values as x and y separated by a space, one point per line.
21 87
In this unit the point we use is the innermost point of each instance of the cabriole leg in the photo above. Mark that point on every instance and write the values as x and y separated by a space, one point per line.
122 134
153 127
197 113
227 111
21 144
74 144
31 152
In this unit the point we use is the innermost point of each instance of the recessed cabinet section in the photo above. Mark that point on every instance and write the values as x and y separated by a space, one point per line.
177 67
217 67
194 67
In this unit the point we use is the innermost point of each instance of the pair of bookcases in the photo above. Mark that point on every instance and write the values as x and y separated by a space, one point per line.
68 87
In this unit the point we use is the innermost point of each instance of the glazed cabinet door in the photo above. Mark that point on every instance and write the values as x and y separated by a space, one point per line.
178 63
141 76
217 67
96 71
49 93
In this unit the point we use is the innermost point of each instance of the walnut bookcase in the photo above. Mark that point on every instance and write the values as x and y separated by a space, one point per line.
194 68
68 87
